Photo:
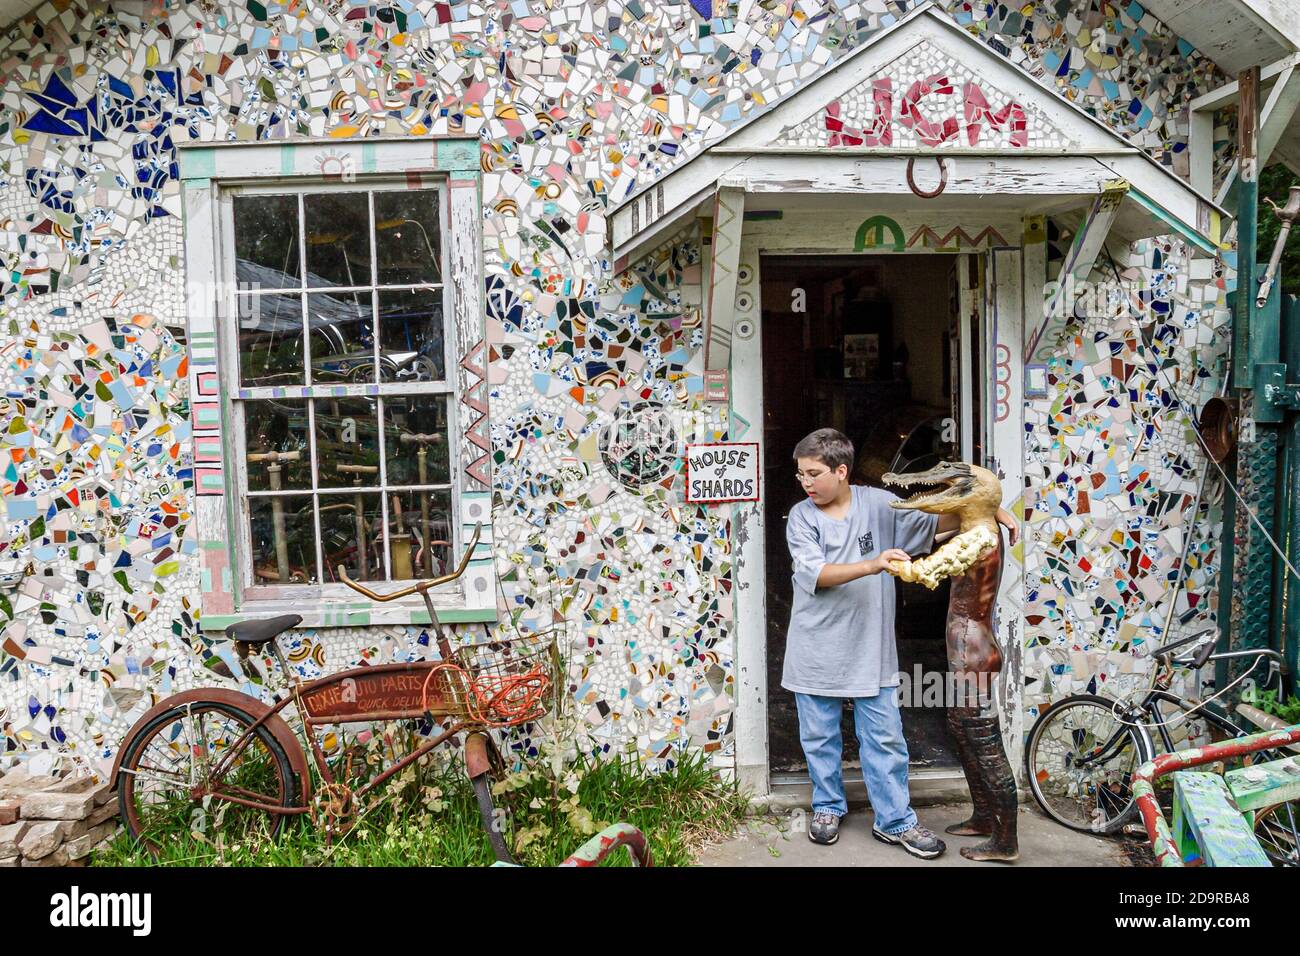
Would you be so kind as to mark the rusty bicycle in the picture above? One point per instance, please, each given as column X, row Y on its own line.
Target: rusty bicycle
column 234, row 760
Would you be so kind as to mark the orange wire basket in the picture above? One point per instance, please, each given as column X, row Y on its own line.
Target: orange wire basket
column 500, row 683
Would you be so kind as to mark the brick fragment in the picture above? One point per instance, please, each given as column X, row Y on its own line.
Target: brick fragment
column 76, row 783
column 58, row 858
column 58, row 806
column 42, row 838
column 82, row 846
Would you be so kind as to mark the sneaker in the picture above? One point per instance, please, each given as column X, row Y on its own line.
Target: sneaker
column 825, row 828
column 917, row 841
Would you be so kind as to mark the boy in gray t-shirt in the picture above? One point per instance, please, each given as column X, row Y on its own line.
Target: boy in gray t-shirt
column 841, row 638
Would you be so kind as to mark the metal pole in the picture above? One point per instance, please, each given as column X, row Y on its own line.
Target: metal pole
column 277, row 523
column 422, row 441
column 1288, row 216
column 358, row 505
column 426, row 559
column 1246, row 192
column 273, row 470
column 1256, row 341
column 1289, row 508
column 1247, row 224
column 399, row 543
column 1281, row 383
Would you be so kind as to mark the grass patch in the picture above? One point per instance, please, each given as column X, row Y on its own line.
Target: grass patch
column 433, row 820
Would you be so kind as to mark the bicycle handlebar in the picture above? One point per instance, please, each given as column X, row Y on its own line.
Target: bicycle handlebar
column 420, row 587
column 1203, row 655
column 1255, row 652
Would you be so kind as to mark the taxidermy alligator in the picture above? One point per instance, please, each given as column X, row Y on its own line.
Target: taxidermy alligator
column 973, row 560
column 974, row 495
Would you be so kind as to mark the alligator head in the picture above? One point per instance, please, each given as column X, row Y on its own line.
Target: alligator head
column 951, row 487
column 971, row 492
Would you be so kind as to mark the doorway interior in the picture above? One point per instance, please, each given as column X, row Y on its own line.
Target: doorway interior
column 867, row 344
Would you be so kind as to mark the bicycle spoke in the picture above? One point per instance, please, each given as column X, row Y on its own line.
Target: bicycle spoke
column 180, row 754
column 1116, row 801
column 1081, row 761
column 155, row 774
column 227, row 790
column 192, row 745
column 1275, row 828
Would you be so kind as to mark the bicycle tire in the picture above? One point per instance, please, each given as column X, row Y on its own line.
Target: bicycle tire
column 1273, row 830
column 1102, row 814
column 139, row 741
column 493, row 825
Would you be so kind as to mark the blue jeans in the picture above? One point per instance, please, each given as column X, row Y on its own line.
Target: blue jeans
column 883, row 750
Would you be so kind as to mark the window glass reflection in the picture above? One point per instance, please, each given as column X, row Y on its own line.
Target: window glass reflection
column 407, row 241
column 338, row 239
column 342, row 343
column 278, row 454
column 415, row 440
column 352, row 535
column 420, row 533
column 410, row 335
column 266, row 242
column 282, row 539
column 347, row 442
column 270, row 340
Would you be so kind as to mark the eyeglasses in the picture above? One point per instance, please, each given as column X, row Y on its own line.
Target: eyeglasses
column 805, row 478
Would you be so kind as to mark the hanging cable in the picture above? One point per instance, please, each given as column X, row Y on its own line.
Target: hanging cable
column 1183, row 716
column 1196, row 430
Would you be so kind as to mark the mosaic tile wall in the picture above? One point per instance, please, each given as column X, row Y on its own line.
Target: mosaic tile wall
column 1112, row 473
column 577, row 103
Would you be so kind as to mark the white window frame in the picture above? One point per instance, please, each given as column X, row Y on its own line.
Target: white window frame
column 240, row 395
column 213, row 176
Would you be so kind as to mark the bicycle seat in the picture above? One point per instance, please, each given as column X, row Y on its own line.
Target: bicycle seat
column 1202, row 656
column 263, row 629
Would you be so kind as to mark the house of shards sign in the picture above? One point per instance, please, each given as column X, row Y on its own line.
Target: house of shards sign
column 718, row 472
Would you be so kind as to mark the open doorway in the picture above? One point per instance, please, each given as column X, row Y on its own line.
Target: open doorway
column 866, row 344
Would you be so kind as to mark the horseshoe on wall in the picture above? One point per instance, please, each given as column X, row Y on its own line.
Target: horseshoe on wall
column 911, row 178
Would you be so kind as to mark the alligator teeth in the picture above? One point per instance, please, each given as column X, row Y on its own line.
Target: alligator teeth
column 926, row 492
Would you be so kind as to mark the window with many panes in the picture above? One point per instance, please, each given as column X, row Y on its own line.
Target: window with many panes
column 343, row 410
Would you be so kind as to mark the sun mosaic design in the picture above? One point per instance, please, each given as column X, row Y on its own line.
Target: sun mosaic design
column 576, row 105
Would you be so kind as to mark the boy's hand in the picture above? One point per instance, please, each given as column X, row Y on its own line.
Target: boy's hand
column 881, row 561
column 1008, row 521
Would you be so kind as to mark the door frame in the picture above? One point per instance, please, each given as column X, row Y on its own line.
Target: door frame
column 1011, row 272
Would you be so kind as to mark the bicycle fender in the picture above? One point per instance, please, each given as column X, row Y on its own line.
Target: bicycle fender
column 249, row 705
column 476, row 755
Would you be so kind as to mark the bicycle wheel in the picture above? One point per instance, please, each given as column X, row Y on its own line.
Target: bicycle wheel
column 1080, row 761
column 167, row 768
column 494, row 823
column 1278, row 830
